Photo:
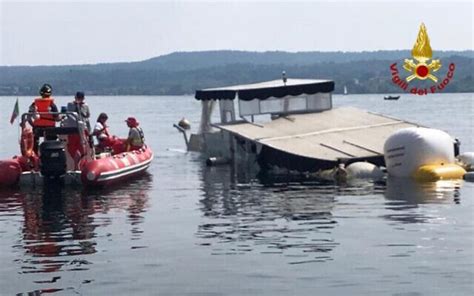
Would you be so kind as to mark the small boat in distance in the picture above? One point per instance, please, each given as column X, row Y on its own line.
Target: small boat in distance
column 391, row 97
column 345, row 90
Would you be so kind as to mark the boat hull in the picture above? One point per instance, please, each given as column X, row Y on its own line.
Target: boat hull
column 35, row 179
column 270, row 157
column 10, row 171
column 315, row 141
column 116, row 168
column 99, row 172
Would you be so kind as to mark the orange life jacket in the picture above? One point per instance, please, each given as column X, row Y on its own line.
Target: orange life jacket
column 43, row 105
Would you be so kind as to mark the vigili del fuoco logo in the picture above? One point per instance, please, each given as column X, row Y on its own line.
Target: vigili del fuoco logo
column 422, row 67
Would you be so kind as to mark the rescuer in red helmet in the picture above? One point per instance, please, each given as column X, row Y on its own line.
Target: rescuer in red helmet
column 136, row 138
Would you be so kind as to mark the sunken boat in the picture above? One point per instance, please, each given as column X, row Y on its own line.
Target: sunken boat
column 288, row 123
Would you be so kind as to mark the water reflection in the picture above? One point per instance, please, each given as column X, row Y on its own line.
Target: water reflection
column 59, row 226
column 290, row 219
column 405, row 195
column 294, row 217
column 56, row 226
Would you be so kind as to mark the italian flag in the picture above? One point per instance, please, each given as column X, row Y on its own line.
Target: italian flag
column 15, row 113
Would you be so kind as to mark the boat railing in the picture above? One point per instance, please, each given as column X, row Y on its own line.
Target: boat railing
column 74, row 125
column 31, row 116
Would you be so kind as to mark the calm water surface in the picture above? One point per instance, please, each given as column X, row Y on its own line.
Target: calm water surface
column 185, row 229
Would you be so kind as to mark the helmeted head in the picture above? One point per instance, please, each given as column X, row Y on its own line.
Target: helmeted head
column 102, row 117
column 132, row 122
column 79, row 96
column 46, row 90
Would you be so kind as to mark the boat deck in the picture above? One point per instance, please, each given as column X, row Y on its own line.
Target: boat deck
column 340, row 133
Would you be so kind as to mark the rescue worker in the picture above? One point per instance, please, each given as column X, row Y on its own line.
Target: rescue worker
column 81, row 108
column 106, row 141
column 136, row 138
column 75, row 144
column 41, row 107
column 101, row 132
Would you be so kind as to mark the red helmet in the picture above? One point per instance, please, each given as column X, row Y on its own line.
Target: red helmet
column 132, row 121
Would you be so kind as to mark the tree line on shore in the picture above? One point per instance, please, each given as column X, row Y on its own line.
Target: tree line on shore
column 184, row 72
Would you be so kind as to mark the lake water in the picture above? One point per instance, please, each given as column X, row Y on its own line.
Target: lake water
column 186, row 229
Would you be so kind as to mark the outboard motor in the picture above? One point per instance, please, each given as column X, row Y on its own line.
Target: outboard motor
column 52, row 159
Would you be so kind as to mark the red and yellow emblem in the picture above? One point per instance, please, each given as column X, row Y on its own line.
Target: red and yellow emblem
column 420, row 67
column 422, row 53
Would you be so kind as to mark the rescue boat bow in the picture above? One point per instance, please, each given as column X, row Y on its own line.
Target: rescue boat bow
column 114, row 168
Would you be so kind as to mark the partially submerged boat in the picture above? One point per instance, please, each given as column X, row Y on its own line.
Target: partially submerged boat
column 67, row 156
column 290, row 124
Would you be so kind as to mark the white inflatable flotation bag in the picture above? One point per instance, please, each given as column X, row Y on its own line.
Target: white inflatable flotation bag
column 356, row 170
column 338, row 173
column 364, row 170
column 466, row 160
column 408, row 150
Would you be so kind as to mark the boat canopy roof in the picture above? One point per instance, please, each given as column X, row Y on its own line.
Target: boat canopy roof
column 265, row 90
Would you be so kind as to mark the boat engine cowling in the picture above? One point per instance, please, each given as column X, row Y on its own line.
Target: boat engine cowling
column 52, row 159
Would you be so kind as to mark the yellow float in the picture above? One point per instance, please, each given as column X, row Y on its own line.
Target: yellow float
column 439, row 172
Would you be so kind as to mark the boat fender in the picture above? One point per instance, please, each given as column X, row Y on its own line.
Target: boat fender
column 27, row 142
column 184, row 124
column 337, row 173
column 466, row 160
column 340, row 173
column 213, row 161
column 364, row 170
column 439, row 172
column 469, row 176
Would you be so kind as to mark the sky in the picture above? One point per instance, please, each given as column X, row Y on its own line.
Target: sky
column 89, row 32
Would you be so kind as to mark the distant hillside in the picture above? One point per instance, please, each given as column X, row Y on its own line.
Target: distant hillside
column 184, row 72
column 205, row 59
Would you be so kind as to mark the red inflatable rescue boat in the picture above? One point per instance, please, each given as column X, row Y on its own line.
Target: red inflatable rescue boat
column 66, row 155
column 112, row 168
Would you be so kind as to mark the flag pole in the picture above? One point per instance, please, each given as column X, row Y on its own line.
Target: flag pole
column 18, row 129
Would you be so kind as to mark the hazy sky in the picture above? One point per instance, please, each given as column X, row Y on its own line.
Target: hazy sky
column 67, row 32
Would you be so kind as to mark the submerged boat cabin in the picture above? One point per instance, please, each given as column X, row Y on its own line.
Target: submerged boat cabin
column 300, row 131
column 275, row 97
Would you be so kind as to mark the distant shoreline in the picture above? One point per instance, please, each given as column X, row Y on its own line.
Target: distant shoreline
column 183, row 72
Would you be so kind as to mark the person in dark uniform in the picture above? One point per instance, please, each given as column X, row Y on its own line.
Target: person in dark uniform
column 81, row 108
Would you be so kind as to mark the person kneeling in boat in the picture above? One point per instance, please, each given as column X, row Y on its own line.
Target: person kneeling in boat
column 136, row 138
column 101, row 132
